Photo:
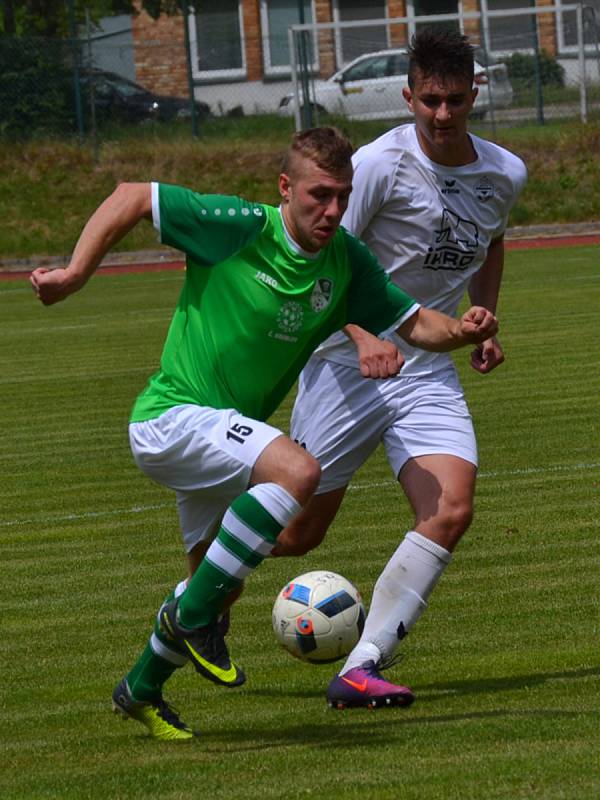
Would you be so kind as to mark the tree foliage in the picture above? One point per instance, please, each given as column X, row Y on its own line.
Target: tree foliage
column 36, row 94
column 50, row 18
column 38, row 54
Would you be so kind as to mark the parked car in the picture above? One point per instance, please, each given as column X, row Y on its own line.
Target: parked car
column 370, row 87
column 127, row 101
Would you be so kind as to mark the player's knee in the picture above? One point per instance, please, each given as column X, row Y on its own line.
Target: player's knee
column 315, row 474
column 455, row 519
column 300, row 475
column 309, row 479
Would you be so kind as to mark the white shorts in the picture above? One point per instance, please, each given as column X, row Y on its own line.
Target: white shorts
column 341, row 417
column 206, row 455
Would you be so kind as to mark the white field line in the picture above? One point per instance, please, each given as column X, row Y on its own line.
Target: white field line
column 353, row 487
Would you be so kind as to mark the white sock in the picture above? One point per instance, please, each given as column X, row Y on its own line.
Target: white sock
column 277, row 501
column 399, row 598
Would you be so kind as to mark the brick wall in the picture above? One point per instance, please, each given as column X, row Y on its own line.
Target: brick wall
column 159, row 54
column 252, row 39
column 159, row 49
column 547, row 29
column 546, row 24
column 472, row 29
column 324, row 13
column 398, row 33
column 160, row 57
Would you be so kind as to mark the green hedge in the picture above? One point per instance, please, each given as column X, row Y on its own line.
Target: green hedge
column 522, row 70
column 36, row 87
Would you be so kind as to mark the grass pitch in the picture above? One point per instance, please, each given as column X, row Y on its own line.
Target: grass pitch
column 505, row 663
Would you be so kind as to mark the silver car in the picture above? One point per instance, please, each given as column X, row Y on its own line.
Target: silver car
column 370, row 87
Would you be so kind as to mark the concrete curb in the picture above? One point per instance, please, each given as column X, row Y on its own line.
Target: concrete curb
column 111, row 260
column 553, row 231
column 168, row 256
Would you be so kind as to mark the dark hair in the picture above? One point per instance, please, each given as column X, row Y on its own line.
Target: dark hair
column 438, row 52
column 326, row 146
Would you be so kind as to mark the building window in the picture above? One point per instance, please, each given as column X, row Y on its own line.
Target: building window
column 276, row 17
column 511, row 32
column 424, row 8
column 353, row 42
column 216, row 39
column 567, row 27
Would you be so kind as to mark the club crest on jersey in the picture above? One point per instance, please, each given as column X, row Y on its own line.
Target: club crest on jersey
column 321, row 295
column 289, row 321
column 484, row 190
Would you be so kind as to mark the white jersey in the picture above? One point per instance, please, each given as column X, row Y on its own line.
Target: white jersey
column 429, row 225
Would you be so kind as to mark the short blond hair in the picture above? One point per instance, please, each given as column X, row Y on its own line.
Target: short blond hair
column 325, row 146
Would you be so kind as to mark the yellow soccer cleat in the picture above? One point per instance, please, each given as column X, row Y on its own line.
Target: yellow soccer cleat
column 159, row 717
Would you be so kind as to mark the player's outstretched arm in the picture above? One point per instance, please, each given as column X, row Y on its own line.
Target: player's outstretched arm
column 432, row 330
column 116, row 216
column 377, row 358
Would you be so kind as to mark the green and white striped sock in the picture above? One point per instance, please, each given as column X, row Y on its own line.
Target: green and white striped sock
column 160, row 659
column 247, row 535
column 162, row 644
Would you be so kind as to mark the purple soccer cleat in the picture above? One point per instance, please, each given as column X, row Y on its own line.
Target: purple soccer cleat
column 365, row 687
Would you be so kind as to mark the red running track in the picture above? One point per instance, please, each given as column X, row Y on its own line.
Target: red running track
column 511, row 244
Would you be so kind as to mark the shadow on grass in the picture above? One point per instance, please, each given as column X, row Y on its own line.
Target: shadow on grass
column 429, row 691
column 503, row 684
column 363, row 729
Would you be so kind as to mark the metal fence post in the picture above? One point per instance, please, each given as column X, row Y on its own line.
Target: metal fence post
column 485, row 38
column 75, row 45
column 306, row 106
column 538, row 76
column 188, row 59
column 92, row 87
column 581, row 59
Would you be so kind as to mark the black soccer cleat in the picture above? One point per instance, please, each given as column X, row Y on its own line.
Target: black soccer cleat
column 205, row 647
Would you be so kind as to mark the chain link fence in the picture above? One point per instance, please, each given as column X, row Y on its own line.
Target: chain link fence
column 106, row 81
column 62, row 87
column 518, row 80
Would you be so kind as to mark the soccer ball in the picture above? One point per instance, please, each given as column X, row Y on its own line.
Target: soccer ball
column 318, row 617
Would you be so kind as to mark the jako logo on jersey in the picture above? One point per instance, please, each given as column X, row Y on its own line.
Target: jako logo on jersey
column 262, row 276
column 450, row 187
column 455, row 243
column 319, row 299
column 484, row 190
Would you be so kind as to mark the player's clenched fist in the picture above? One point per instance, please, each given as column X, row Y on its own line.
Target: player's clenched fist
column 51, row 286
column 478, row 324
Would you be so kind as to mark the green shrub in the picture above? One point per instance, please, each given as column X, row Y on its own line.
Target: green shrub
column 522, row 70
column 36, row 94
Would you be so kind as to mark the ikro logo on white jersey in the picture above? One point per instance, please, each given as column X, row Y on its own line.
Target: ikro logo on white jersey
column 454, row 245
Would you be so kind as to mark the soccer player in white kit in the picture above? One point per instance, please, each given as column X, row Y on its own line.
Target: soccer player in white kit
column 432, row 202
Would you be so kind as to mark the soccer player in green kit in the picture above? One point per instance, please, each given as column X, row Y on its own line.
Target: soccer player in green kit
column 263, row 287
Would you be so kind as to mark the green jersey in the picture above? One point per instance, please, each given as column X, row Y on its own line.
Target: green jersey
column 253, row 306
